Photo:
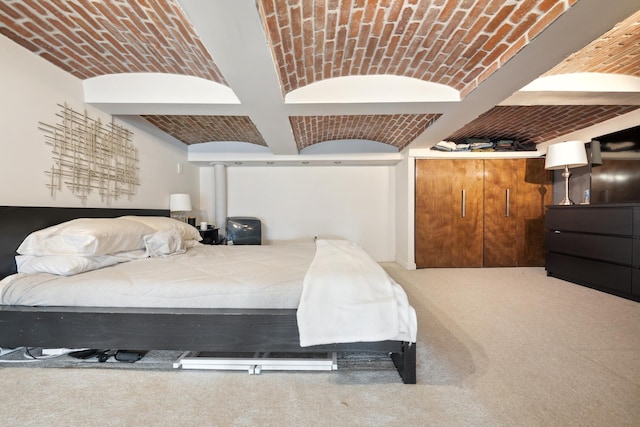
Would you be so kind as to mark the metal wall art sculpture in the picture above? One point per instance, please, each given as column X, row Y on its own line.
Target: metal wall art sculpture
column 89, row 156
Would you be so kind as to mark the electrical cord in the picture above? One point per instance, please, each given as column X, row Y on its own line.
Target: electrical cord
column 4, row 351
column 29, row 356
column 101, row 355
column 51, row 356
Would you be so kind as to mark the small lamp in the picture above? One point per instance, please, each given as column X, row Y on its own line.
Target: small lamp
column 180, row 203
column 565, row 155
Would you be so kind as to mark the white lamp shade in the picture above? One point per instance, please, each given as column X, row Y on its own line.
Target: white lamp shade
column 180, row 202
column 569, row 153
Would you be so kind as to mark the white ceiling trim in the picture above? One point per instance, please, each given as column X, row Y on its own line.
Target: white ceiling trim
column 372, row 89
column 585, row 82
column 155, row 88
column 427, row 153
column 557, row 97
column 268, row 159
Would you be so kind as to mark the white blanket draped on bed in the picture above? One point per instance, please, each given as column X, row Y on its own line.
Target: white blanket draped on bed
column 348, row 297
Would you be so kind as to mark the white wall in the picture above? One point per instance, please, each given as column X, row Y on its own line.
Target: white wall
column 296, row 203
column 31, row 88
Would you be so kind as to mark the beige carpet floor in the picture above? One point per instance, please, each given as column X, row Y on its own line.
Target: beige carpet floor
column 496, row 347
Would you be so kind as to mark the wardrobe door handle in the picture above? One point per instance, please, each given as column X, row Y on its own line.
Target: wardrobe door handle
column 507, row 204
column 464, row 203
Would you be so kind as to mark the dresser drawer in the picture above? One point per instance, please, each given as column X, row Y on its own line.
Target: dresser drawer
column 590, row 219
column 595, row 274
column 602, row 248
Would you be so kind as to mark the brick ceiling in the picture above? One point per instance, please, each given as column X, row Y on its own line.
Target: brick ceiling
column 455, row 43
column 462, row 44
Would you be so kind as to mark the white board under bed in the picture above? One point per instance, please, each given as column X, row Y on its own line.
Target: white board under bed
column 260, row 361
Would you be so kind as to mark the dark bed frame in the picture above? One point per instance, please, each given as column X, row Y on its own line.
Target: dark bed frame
column 195, row 329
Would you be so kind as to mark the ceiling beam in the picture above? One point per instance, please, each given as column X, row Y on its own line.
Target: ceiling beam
column 232, row 33
column 569, row 33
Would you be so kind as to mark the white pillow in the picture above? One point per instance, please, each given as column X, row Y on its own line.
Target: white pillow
column 86, row 236
column 163, row 223
column 64, row 265
column 163, row 243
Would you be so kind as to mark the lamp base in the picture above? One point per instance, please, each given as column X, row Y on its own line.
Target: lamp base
column 180, row 216
column 566, row 201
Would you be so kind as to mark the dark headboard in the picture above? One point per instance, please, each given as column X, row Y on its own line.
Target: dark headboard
column 16, row 222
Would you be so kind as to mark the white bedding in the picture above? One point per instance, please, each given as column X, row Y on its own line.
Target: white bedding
column 268, row 276
column 347, row 297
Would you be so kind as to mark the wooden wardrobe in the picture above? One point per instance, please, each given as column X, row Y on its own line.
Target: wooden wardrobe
column 480, row 212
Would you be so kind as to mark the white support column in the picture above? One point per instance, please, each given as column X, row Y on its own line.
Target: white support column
column 220, row 196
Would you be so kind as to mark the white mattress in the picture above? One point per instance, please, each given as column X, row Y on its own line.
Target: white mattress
column 340, row 293
column 268, row 276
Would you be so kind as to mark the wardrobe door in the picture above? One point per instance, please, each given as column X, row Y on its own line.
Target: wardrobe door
column 534, row 192
column 515, row 193
column 500, row 207
column 448, row 216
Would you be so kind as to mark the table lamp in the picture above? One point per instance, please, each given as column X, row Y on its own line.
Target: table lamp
column 565, row 155
column 180, row 203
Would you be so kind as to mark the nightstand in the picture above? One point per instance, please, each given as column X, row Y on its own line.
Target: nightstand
column 209, row 236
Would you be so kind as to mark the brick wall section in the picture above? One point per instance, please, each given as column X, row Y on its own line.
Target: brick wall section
column 93, row 38
column 397, row 129
column 453, row 42
column 537, row 123
column 198, row 129
column 617, row 51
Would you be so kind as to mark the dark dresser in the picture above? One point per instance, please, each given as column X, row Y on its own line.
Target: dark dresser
column 596, row 246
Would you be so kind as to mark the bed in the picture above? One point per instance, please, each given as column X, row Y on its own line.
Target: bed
column 186, row 328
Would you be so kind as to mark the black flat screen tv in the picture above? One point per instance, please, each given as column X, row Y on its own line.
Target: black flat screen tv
column 617, row 179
